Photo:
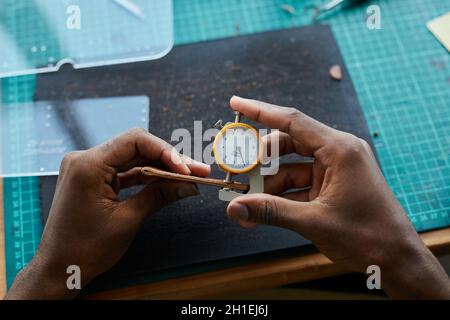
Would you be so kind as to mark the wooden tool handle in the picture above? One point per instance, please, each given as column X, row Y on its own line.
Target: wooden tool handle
column 150, row 171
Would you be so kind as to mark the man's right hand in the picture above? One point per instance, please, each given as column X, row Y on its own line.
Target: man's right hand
column 348, row 211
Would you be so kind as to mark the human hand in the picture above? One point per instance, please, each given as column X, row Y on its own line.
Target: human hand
column 348, row 210
column 88, row 226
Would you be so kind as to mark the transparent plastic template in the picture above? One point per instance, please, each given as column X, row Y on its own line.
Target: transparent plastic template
column 35, row 136
column 40, row 35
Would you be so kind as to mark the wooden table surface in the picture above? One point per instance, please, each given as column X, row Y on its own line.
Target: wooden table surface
column 253, row 276
column 238, row 279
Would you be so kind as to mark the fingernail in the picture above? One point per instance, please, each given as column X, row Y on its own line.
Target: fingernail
column 200, row 163
column 188, row 171
column 238, row 211
column 188, row 191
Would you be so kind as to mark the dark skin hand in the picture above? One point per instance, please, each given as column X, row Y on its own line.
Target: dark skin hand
column 347, row 211
column 88, row 226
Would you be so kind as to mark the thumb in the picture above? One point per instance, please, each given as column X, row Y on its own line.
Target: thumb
column 157, row 195
column 272, row 210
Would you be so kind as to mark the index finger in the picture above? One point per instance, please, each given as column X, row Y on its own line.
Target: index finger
column 124, row 151
column 311, row 134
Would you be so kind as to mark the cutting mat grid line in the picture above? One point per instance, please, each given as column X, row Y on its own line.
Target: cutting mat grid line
column 401, row 75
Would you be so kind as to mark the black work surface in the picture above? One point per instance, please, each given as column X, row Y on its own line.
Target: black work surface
column 195, row 82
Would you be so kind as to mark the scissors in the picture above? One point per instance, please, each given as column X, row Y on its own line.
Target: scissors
column 333, row 4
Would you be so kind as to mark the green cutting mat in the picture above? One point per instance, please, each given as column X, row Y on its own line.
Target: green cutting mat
column 401, row 74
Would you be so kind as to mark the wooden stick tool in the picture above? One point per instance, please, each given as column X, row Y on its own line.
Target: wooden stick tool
column 154, row 172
